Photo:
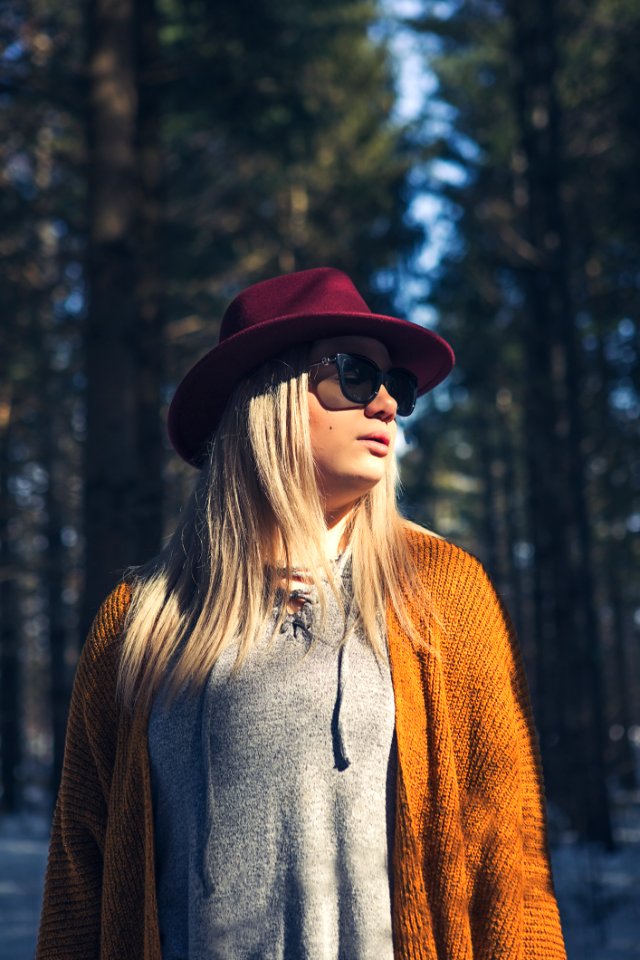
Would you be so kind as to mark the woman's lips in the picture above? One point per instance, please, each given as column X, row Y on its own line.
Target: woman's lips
column 376, row 445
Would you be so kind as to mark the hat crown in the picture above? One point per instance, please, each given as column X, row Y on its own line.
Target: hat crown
column 307, row 292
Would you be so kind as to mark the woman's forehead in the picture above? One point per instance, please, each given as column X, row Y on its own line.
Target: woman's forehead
column 366, row 346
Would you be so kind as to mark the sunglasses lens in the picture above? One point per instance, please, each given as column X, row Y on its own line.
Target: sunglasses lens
column 359, row 379
column 403, row 387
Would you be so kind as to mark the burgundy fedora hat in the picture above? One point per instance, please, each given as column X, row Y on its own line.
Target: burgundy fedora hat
column 272, row 315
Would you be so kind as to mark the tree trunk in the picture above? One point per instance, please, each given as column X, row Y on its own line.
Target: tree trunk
column 59, row 689
column 490, row 498
column 10, row 665
column 613, row 561
column 149, row 337
column 512, row 577
column 110, row 454
column 569, row 630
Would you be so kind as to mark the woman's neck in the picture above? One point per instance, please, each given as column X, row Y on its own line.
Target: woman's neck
column 335, row 540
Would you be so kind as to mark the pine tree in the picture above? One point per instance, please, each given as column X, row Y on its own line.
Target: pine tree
column 528, row 296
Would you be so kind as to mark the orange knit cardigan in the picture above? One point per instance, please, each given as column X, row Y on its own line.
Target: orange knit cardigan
column 471, row 878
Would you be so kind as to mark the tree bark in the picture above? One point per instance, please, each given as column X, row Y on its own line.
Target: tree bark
column 110, row 455
column 10, row 665
column 568, row 621
column 55, row 571
column 149, row 338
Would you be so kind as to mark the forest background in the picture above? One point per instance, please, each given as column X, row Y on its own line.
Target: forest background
column 156, row 156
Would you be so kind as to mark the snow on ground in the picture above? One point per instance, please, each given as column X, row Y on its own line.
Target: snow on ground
column 23, row 853
column 599, row 899
column 598, row 893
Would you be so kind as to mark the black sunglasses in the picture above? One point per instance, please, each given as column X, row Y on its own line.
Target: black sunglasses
column 361, row 378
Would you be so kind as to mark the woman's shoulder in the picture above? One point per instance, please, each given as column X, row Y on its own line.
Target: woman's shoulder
column 100, row 652
column 444, row 564
column 108, row 623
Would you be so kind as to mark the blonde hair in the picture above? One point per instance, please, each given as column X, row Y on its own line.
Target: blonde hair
column 255, row 509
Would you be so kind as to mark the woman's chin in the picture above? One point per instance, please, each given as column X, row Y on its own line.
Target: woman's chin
column 346, row 490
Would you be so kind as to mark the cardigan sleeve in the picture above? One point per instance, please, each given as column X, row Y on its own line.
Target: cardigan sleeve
column 503, row 693
column 71, row 909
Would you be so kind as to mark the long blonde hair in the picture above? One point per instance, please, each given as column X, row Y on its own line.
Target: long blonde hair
column 255, row 509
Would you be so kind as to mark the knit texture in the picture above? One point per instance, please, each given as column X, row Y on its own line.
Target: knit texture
column 471, row 877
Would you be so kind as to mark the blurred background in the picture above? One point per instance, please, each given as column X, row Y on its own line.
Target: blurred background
column 473, row 166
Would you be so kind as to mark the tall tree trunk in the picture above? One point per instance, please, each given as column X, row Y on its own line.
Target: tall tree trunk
column 110, row 453
column 627, row 775
column 487, row 460
column 612, row 563
column 149, row 337
column 55, row 577
column 559, row 513
column 10, row 666
column 512, row 578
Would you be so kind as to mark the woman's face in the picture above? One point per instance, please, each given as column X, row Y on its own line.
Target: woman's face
column 347, row 463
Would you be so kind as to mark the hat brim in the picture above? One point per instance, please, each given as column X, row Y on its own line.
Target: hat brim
column 201, row 396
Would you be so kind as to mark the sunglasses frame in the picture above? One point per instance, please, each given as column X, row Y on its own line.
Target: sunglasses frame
column 381, row 377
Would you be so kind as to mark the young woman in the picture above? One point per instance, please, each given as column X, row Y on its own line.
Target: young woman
column 302, row 730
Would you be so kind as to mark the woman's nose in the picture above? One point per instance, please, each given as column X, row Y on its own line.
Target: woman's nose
column 382, row 406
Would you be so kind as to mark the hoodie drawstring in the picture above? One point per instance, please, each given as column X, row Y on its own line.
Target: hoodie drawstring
column 338, row 724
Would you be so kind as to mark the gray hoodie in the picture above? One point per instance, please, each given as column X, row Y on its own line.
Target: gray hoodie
column 273, row 800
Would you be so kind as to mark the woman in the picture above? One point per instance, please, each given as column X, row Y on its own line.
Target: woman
column 303, row 730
